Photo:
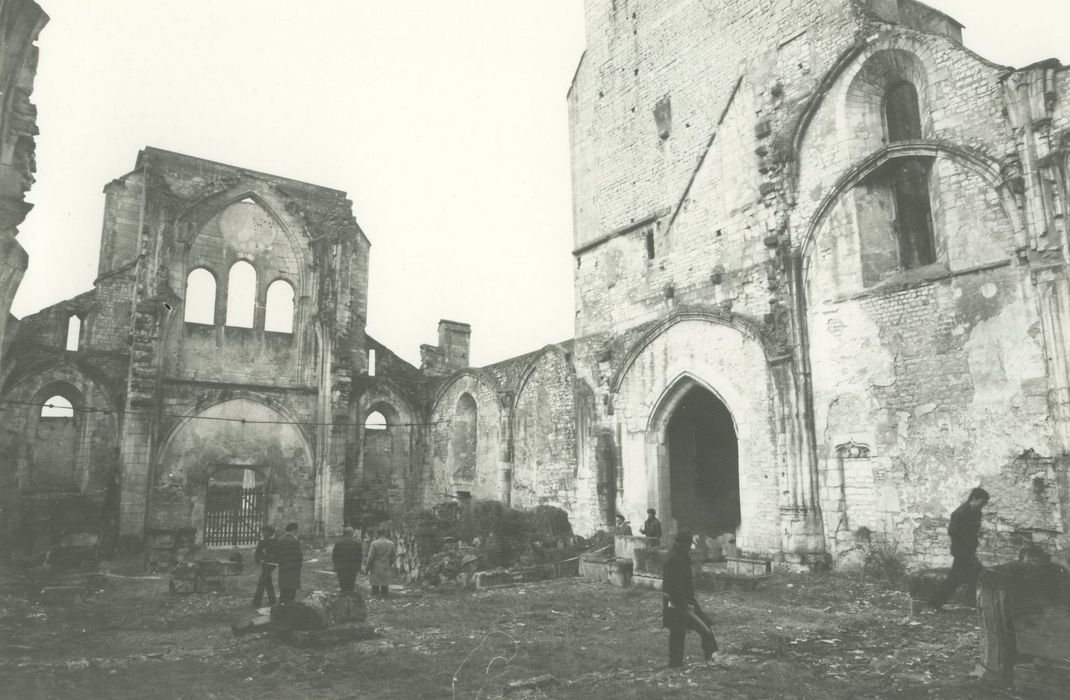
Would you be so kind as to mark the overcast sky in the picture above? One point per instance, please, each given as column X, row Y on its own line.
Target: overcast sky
column 444, row 120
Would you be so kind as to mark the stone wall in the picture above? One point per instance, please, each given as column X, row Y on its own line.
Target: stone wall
column 20, row 23
column 544, row 425
column 465, row 451
column 734, row 166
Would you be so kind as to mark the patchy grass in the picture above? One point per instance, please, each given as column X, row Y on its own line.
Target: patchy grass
column 798, row 636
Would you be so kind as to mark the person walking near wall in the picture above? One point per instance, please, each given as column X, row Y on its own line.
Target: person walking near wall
column 380, row 552
column 265, row 559
column 288, row 557
column 964, row 528
column 346, row 555
column 652, row 526
column 680, row 610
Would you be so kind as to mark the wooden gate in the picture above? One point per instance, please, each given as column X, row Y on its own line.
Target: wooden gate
column 234, row 515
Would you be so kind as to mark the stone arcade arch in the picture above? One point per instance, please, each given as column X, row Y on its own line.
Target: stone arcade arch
column 216, row 438
column 698, row 450
column 699, row 359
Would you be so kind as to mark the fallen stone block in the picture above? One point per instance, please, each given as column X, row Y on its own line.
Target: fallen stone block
column 748, row 567
column 646, row 581
column 253, row 622
column 1041, row 680
column 544, row 681
column 327, row 637
column 619, row 572
column 593, row 566
column 497, row 577
column 62, row 595
column 319, row 610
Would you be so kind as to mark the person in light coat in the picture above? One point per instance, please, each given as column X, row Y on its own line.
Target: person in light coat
column 380, row 556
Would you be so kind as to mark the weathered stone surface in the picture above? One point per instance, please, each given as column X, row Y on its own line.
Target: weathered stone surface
column 867, row 316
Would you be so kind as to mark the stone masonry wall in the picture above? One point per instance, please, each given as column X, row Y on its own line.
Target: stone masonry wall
column 544, row 436
column 443, row 477
column 933, row 380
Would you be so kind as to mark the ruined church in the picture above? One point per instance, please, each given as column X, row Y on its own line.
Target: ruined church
column 821, row 291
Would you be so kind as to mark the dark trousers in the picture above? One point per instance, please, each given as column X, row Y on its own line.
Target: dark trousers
column 965, row 568
column 264, row 585
column 681, row 623
column 345, row 580
column 287, row 595
column 381, row 591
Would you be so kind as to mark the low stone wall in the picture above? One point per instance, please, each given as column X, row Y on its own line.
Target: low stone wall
column 542, row 572
column 1025, row 612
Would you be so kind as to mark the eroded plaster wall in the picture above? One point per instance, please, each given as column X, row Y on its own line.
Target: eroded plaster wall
column 237, row 433
column 926, row 382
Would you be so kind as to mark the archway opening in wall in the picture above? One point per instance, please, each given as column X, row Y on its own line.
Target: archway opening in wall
column 235, row 507
column 463, row 440
column 703, row 453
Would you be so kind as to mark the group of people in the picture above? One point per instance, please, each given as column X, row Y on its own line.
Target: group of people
column 284, row 554
column 681, row 610
column 651, row 527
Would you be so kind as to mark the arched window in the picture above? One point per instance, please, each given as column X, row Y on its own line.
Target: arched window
column 375, row 421
column 463, row 442
column 241, row 295
column 913, row 212
column 279, row 315
column 200, row 297
column 57, row 407
column 902, row 117
column 74, row 332
column 371, row 362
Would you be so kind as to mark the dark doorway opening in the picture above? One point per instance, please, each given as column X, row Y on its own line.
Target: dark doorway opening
column 235, row 508
column 703, row 465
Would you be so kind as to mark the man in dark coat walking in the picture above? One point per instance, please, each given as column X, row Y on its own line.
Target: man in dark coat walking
column 964, row 528
column 652, row 526
column 265, row 559
column 347, row 555
column 288, row 557
column 680, row 611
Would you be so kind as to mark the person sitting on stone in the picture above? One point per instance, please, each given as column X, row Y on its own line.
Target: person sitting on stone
column 652, row 526
column 623, row 526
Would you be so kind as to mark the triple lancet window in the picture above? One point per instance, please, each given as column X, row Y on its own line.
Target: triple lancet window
column 241, row 300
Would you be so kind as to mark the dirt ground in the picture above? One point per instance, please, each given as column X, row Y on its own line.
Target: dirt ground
column 801, row 635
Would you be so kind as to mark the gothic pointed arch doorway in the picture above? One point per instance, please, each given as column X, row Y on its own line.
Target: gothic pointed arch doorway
column 697, row 460
column 703, row 463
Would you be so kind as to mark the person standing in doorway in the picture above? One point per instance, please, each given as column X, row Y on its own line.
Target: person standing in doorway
column 652, row 526
column 964, row 528
column 680, row 610
column 266, row 561
column 288, row 557
column 346, row 555
column 380, row 552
